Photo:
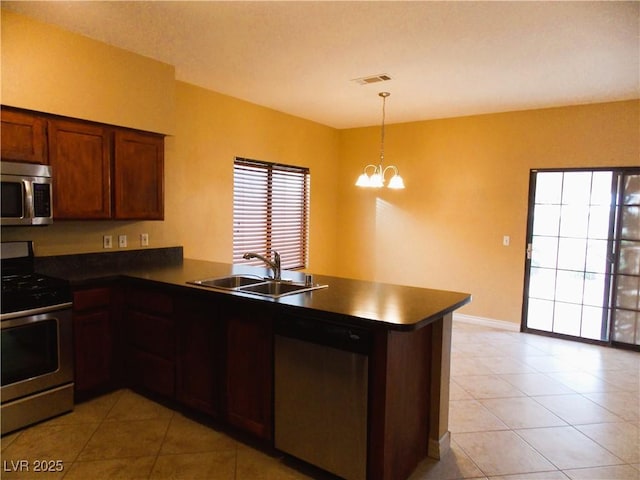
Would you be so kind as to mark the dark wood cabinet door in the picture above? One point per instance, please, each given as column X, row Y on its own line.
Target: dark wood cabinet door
column 23, row 137
column 249, row 370
column 93, row 339
column 151, row 372
column 199, row 357
column 139, row 176
column 79, row 154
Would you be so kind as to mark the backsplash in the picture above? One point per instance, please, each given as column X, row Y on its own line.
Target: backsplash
column 62, row 265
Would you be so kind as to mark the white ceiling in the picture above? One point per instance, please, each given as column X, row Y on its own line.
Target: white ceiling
column 446, row 59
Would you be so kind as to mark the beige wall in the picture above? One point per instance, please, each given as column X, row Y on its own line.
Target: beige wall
column 212, row 129
column 467, row 178
column 48, row 69
column 467, row 185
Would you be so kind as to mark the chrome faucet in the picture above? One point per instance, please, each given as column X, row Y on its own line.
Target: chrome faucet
column 275, row 264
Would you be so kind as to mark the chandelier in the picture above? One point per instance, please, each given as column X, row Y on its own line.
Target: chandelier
column 373, row 176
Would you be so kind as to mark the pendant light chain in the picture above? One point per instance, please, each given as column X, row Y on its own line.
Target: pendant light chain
column 384, row 96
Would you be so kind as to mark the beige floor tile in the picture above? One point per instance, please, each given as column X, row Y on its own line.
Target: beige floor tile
column 456, row 392
column 50, row 442
column 196, row 466
column 472, row 416
column 132, row 406
column 624, row 404
column 568, row 448
column 468, row 366
column 576, row 409
column 589, row 360
column 582, row 382
column 188, row 436
column 557, row 475
column 474, row 349
column 502, row 453
column 519, row 351
column 619, row 472
column 545, row 364
column 621, row 360
column 125, row 439
column 536, row 384
column 116, row 469
column 621, row 439
column 505, row 365
column 488, row 386
column 522, row 412
column 8, row 439
column 454, row 465
column 626, row 379
column 91, row 411
column 255, row 465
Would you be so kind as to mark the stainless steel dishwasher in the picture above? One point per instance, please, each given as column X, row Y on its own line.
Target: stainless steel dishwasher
column 321, row 382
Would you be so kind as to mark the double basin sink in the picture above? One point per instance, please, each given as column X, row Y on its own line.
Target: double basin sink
column 256, row 285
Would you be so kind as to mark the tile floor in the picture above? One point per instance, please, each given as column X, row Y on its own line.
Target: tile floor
column 523, row 407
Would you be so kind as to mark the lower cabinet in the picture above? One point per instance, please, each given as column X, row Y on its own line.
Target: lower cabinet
column 211, row 354
column 149, row 335
column 249, row 369
column 93, row 330
column 200, row 355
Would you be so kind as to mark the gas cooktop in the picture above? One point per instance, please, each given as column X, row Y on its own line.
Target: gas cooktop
column 22, row 288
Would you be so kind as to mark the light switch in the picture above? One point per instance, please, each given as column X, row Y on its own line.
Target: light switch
column 144, row 239
column 107, row 241
column 122, row 241
column 506, row 240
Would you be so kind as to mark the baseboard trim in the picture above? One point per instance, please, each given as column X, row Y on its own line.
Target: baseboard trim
column 487, row 322
column 436, row 449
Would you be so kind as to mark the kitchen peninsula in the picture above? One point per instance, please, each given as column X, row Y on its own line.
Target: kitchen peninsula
column 213, row 351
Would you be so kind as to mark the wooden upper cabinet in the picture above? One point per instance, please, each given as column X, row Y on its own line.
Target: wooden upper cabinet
column 79, row 154
column 23, row 137
column 138, row 176
column 99, row 171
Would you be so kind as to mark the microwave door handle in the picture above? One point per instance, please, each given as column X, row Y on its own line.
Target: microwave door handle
column 28, row 211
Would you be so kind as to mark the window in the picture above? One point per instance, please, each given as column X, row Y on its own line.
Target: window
column 270, row 211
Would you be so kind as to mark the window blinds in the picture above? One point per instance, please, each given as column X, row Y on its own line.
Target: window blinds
column 270, row 211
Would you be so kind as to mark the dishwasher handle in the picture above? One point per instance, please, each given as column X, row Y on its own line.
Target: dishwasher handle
column 321, row 332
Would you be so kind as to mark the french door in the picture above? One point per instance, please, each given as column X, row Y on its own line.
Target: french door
column 582, row 275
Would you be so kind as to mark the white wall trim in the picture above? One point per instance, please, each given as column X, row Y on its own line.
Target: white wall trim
column 487, row 322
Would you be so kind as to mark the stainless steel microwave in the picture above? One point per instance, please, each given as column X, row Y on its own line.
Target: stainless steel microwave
column 26, row 194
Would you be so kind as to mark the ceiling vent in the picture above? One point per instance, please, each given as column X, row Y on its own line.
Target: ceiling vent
column 383, row 77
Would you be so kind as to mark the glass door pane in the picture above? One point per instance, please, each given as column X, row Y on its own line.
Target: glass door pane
column 626, row 312
column 567, row 262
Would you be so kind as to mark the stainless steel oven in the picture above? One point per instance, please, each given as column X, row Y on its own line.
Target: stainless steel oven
column 37, row 367
column 36, row 342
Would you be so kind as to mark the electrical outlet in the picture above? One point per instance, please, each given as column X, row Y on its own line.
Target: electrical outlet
column 144, row 239
column 107, row 241
column 122, row 241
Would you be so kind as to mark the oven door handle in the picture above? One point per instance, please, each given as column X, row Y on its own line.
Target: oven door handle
column 35, row 311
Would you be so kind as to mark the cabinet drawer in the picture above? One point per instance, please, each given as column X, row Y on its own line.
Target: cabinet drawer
column 91, row 299
column 152, row 334
column 150, row 301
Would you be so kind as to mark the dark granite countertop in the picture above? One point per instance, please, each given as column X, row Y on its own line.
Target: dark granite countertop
column 389, row 306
